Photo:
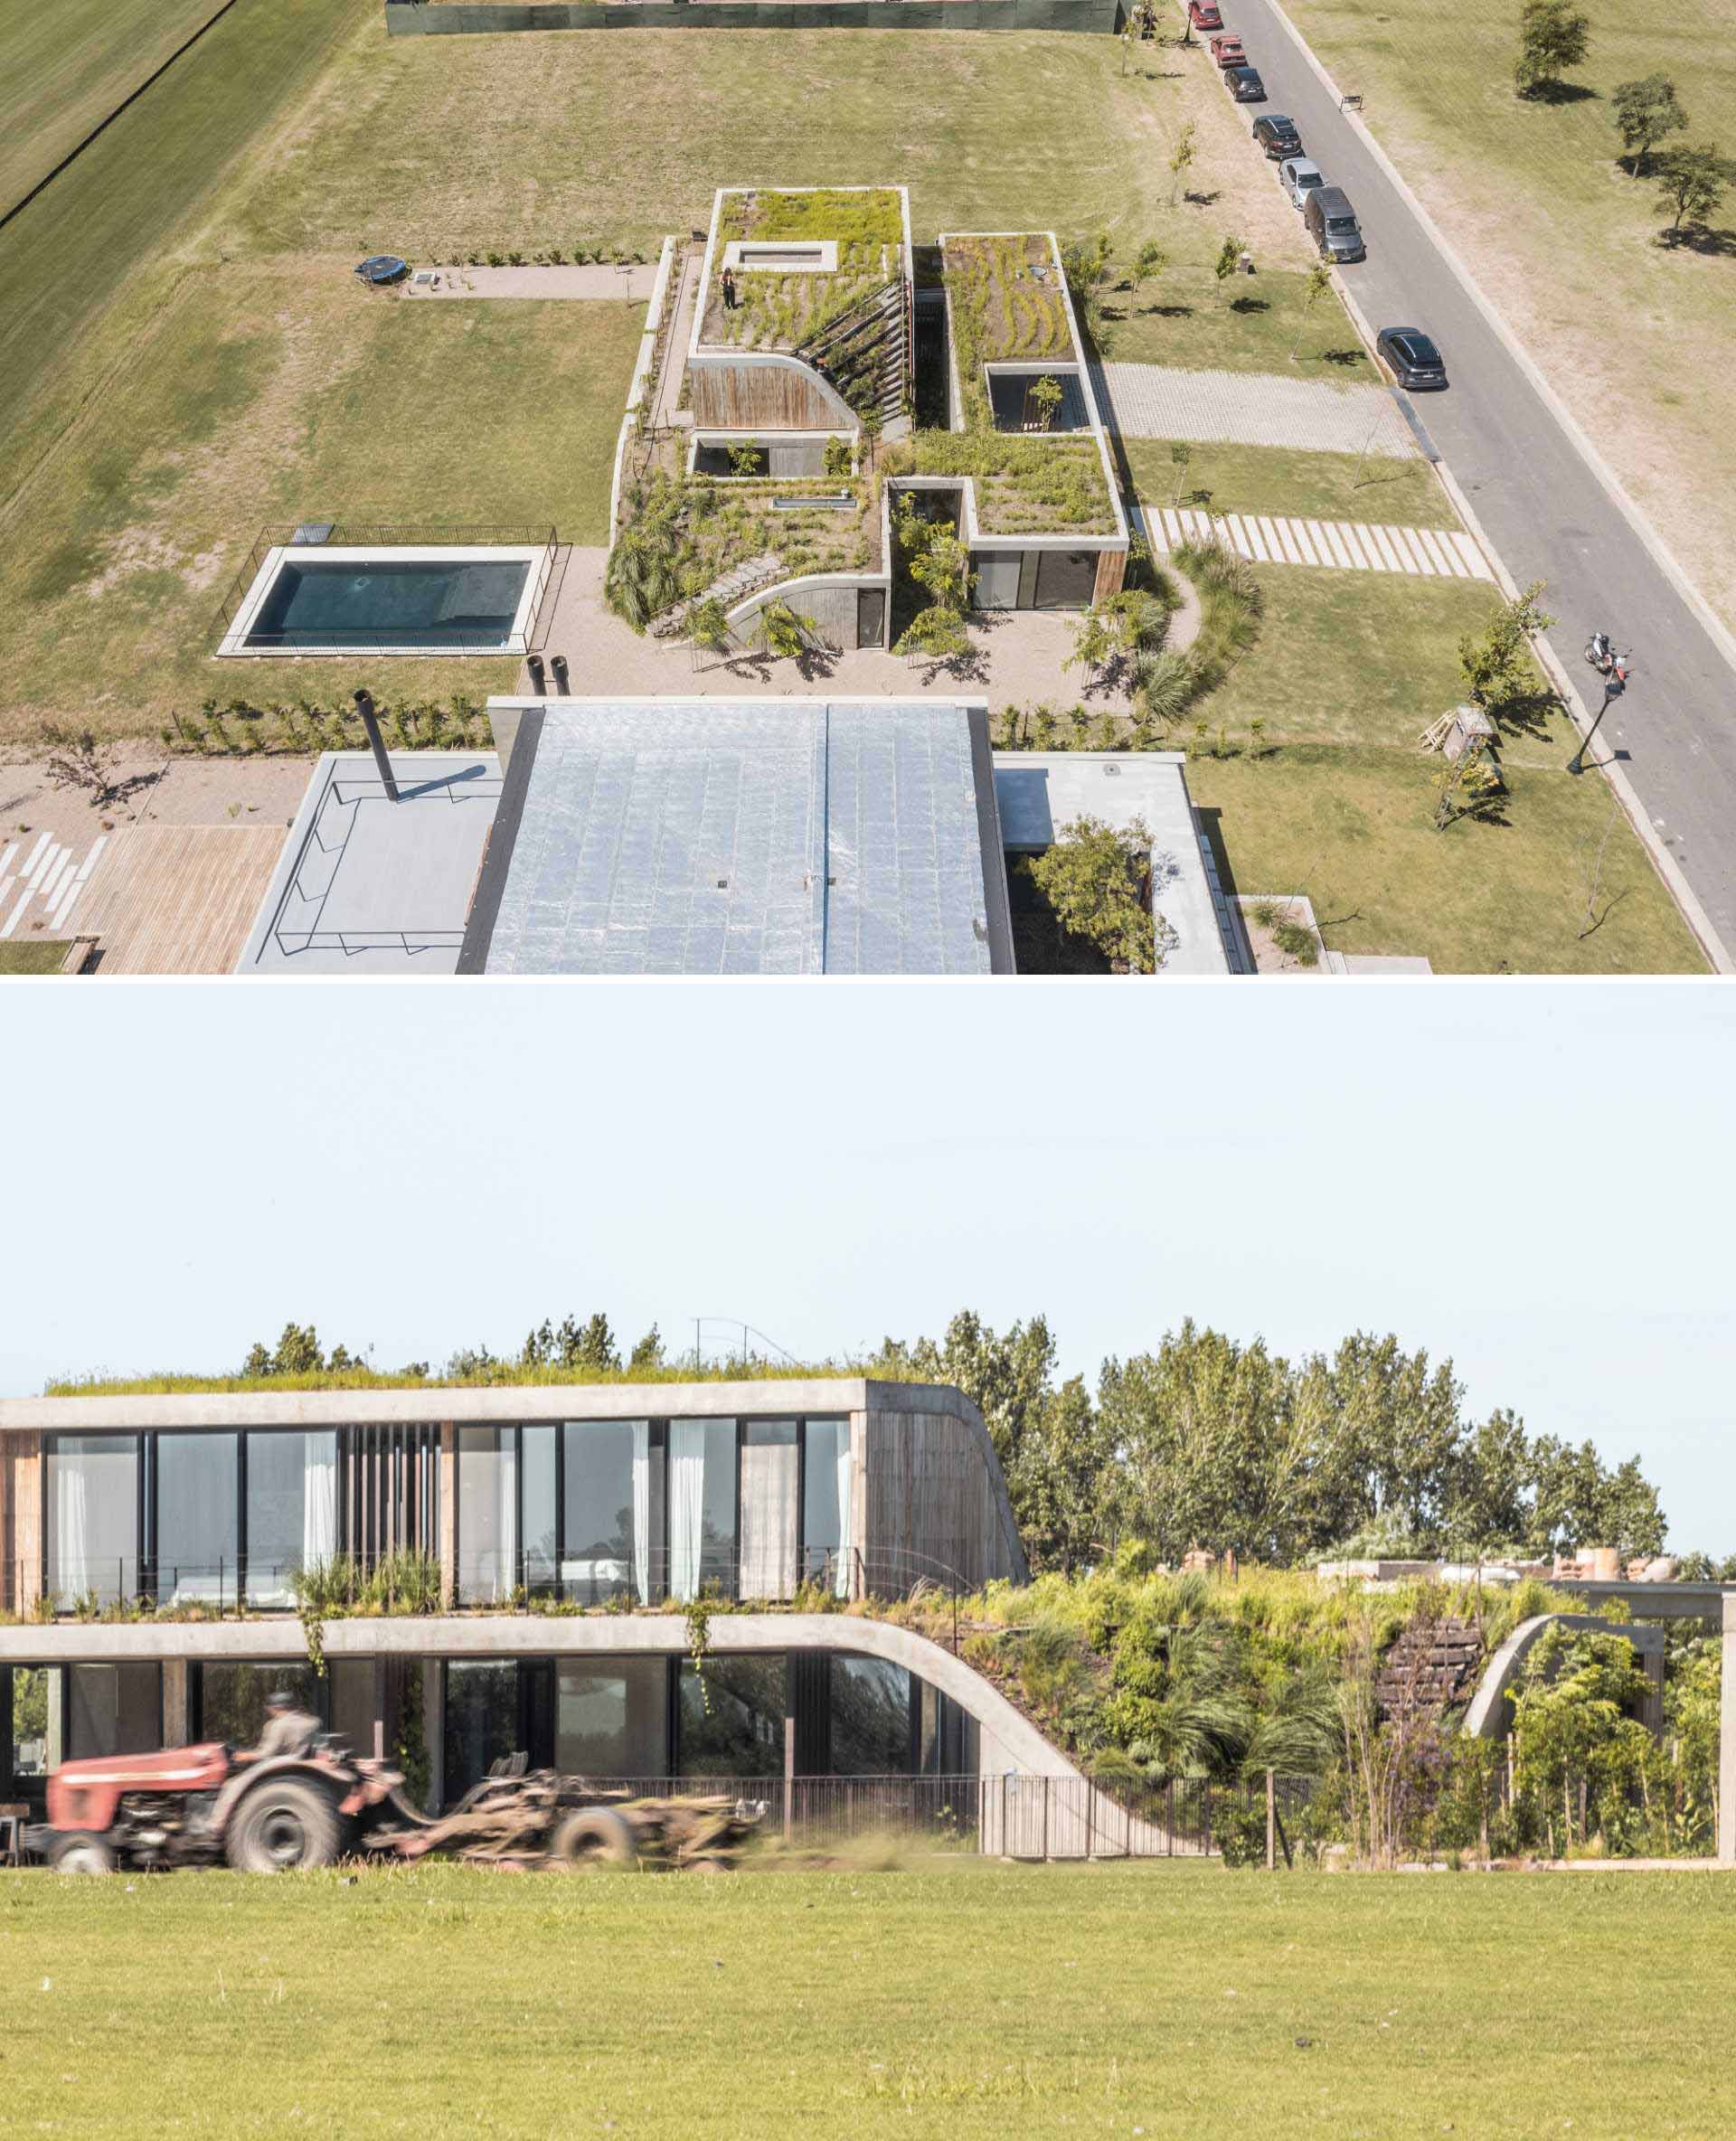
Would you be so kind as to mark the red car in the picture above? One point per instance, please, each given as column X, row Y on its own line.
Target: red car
column 1204, row 15
column 1228, row 52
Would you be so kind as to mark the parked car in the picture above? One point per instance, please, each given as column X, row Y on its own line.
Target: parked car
column 1300, row 177
column 1414, row 360
column 1204, row 15
column 1277, row 136
column 1332, row 224
column 1245, row 85
column 1228, row 52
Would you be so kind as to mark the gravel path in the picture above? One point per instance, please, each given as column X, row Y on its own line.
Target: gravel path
column 1251, row 409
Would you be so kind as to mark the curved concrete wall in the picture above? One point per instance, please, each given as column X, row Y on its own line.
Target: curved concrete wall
column 1490, row 1715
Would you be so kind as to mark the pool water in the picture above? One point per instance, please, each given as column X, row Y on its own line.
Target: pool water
column 434, row 604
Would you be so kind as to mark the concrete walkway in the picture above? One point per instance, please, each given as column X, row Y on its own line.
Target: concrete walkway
column 1351, row 546
column 667, row 412
column 1251, row 409
column 634, row 281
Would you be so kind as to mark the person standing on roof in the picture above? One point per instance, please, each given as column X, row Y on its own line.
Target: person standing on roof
column 729, row 289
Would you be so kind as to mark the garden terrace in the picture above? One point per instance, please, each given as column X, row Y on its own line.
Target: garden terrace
column 1009, row 301
column 1023, row 486
column 854, row 237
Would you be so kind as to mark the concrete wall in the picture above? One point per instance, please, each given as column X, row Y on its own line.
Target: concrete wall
column 1727, row 1741
column 21, row 1520
column 483, row 17
column 1490, row 1715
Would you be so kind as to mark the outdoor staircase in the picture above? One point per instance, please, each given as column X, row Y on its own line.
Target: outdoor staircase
column 1431, row 1665
column 865, row 354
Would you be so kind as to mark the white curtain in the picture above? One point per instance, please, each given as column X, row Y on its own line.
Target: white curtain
column 71, row 1533
column 506, row 1576
column 769, row 1472
column 642, row 1510
column 318, row 1499
column 687, row 1506
column 841, row 1580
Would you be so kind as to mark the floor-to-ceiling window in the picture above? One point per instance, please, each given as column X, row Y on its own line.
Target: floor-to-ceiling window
column 825, row 1503
column 870, row 1718
column 487, row 1513
column 770, row 1508
column 483, row 1720
column 732, row 1712
column 612, row 1517
column 113, row 1710
column 198, row 1517
column 539, row 1505
column 702, row 1506
column 229, row 1699
column 291, row 1511
column 611, row 1717
column 93, row 1517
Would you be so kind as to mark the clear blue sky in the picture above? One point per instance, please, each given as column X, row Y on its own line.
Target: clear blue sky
column 1536, row 1180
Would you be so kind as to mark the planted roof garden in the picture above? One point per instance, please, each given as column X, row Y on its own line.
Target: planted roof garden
column 1009, row 302
column 784, row 308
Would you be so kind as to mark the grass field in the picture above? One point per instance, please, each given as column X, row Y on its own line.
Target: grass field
column 1275, row 479
column 64, row 69
column 987, row 2003
column 1628, row 330
column 39, row 956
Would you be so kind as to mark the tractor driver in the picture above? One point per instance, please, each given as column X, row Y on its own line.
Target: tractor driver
column 288, row 1731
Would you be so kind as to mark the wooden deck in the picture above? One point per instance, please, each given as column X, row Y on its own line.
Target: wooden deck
column 178, row 899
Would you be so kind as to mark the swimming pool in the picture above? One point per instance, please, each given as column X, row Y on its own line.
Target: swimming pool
column 334, row 599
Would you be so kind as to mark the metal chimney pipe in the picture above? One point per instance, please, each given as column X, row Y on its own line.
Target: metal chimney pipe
column 376, row 742
column 559, row 665
column 533, row 663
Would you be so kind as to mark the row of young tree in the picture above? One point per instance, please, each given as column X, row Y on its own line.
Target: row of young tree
column 1213, row 1443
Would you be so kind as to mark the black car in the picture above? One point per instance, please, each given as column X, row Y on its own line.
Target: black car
column 1413, row 357
column 1245, row 85
column 1277, row 136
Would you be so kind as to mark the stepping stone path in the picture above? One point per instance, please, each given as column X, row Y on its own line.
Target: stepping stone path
column 1351, row 546
column 44, row 877
column 729, row 590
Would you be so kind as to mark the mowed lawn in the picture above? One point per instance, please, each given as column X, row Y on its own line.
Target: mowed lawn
column 1275, row 479
column 1633, row 335
column 272, row 397
column 993, row 2002
column 64, row 68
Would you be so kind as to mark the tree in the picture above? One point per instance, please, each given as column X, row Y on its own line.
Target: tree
column 938, row 633
column 1181, row 157
column 1117, row 629
column 1046, row 397
column 708, row 626
column 1319, row 283
column 1645, row 113
column 297, row 1352
column 1497, row 667
column 76, row 759
column 646, row 1353
column 786, row 632
column 1006, row 1375
column 1057, row 1480
column 1692, row 183
column 1181, row 455
column 1553, row 35
column 589, row 1347
column 1228, row 258
column 1086, row 269
column 1097, row 878
column 1149, row 264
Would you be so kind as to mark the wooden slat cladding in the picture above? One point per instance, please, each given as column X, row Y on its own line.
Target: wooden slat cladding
column 21, row 1519
column 928, row 1502
column 391, row 1487
column 769, row 397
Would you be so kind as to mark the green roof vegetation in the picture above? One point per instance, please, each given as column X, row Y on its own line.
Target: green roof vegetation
column 1027, row 483
column 177, row 1383
column 39, row 955
column 1009, row 301
column 783, row 309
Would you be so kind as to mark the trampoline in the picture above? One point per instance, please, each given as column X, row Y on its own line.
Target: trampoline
column 382, row 268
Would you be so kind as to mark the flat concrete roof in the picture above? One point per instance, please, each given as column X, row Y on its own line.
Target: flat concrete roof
column 367, row 885
column 500, row 1402
column 1040, row 792
column 673, row 836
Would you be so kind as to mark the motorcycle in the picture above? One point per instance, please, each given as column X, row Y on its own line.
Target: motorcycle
column 1601, row 652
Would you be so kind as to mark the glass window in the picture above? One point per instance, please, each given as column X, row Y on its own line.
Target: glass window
column 870, row 1718
column 734, row 1724
column 1066, row 579
column 114, row 1710
column 231, row 1698
column 487, row 1512
column 481, row 1721
column 197, row 1521
column 702, row 1506
column 536, row 1461
column 93, row 1517
column 30, row 1720
column 770, row 1473
column 612, row 1719
column 352, row 1682
column 825, row 1504
column 291, row 1511
column 613, row 1518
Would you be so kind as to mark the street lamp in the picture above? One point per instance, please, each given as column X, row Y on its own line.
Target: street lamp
column 1614, row 685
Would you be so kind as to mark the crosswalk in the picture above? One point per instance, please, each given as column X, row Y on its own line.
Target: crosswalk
column 1349, row 546
column 40, row 888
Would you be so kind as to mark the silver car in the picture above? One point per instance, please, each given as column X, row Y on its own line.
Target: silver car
column 1300, row 177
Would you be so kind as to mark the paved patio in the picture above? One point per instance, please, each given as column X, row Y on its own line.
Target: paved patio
column 1018, row 659
column 633, row 280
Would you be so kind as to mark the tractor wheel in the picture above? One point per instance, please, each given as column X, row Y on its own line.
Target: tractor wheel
column 282, row 1825
column 594, row 1836
column 83, row 1852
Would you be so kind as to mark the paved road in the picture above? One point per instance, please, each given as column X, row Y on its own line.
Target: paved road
column 1540, row 504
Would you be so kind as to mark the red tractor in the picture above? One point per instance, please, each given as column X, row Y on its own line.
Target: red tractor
column 198, row 1805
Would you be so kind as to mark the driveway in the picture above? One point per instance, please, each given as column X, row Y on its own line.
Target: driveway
column 1539, row 501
